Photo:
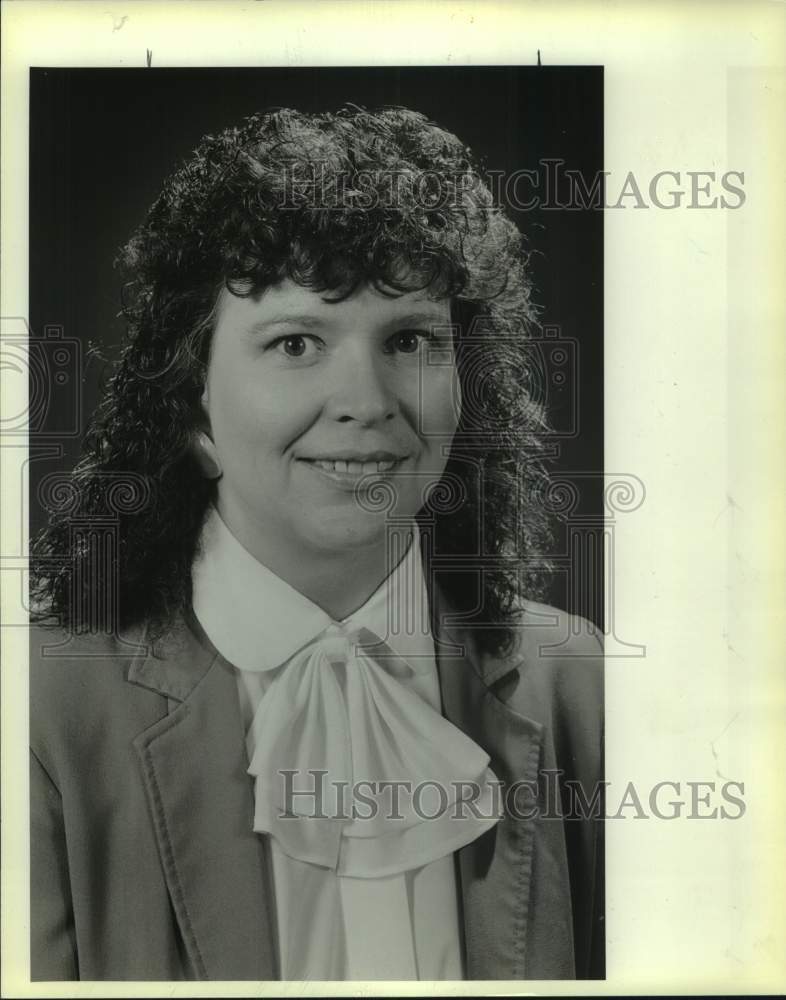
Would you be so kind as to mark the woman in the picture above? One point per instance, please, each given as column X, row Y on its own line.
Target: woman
column 302, row 718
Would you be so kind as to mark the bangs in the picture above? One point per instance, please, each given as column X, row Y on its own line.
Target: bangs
column 341, row 275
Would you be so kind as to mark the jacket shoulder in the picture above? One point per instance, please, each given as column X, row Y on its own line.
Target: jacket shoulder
column 553, row 629
column 77, row 684
column 549, row 641
column 553, row 670
column 63, row 659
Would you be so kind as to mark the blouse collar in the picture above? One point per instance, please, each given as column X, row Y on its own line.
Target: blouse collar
column 258, row 621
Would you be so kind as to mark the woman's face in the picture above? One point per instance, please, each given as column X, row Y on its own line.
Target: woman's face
column 313, row 403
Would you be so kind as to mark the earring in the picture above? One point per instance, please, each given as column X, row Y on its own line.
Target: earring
column 205, row 454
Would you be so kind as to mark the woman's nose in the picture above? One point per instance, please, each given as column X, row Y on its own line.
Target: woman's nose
column 361, row 389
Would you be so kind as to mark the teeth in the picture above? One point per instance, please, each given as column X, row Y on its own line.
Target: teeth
column 354, row 468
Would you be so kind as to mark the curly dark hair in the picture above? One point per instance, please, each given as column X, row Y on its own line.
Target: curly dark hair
column 332, row 202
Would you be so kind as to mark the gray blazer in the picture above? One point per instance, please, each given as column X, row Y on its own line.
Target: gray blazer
column 144, row 864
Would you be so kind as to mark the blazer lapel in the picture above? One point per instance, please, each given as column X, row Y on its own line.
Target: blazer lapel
column 201, row 799
column 495, row 870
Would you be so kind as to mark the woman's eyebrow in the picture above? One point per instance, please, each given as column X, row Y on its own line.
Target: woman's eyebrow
column 289, row 319
column 423, row 318
column 419, row 318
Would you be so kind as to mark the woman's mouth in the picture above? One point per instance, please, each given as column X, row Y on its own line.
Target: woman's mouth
column 355, row 468
column 348, row 472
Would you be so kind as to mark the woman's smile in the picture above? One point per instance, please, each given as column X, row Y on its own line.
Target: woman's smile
column 356, row 474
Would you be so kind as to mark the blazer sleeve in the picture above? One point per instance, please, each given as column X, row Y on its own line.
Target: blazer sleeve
column 53, row 954
column 583, row 761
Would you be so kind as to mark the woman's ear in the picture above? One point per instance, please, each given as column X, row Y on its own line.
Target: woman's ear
column 202, row 445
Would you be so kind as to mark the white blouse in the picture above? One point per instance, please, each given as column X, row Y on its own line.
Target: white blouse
column 337, row 716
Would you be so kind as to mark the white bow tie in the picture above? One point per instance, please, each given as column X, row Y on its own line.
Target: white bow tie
column 334, row 735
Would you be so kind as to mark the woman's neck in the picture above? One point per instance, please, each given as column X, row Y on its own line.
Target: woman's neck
column 341, row 581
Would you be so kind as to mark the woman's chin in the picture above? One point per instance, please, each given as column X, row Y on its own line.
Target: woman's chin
column 343, row 534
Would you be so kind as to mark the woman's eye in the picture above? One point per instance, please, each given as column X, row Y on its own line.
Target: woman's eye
column 408, row 341
column 295, row 345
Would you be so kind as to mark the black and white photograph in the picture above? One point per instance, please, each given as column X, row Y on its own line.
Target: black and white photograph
column 303, row 570
column 374, row 611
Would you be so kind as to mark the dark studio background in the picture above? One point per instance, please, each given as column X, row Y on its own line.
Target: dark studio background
column 102, row 141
